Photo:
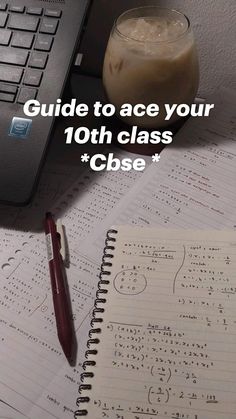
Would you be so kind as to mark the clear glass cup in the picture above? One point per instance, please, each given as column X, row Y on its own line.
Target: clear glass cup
column 151, row 57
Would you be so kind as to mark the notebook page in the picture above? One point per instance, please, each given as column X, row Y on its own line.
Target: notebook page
column 193, row 186
column 87, row 203
column 42, row 385
column 168, row 345
column 16, row 222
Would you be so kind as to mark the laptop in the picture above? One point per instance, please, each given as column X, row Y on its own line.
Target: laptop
column 38, row 40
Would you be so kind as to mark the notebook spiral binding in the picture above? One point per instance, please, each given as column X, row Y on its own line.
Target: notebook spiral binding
column 98, row 311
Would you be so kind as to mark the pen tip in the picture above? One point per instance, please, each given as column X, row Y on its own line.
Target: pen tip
column 68, row 351
column 68, row 347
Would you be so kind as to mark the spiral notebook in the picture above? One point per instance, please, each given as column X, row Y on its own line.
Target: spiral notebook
column 163, row 338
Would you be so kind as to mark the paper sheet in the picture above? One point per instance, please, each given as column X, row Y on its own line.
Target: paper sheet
column 193, row 186
column 48, row 386
column 167, row 343
column 186, row 189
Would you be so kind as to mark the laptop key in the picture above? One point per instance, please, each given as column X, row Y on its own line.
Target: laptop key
column 43, row 43
column 33, row 77
column 17, row 9
column 3, row 5
column 38, row 60
column 23, row 22
column 26, row 93
column 8, row 88
column 49, row 26
column 7, row 97
column 5, row 36
column 34, row 11
column 10, row 74
column 3, row 19
column 13, row 56
column 22, row 40
column 52, row 13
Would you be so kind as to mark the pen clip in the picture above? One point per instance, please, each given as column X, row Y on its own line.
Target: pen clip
column 61, row 232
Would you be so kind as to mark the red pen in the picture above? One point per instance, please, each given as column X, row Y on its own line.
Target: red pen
column 59, row 291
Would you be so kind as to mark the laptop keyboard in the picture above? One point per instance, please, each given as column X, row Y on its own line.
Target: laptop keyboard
column 26, row 38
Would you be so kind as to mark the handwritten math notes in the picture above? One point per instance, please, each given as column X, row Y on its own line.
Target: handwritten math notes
column 168, row 344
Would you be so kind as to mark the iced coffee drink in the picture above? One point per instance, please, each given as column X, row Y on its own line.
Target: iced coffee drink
column 151, row 58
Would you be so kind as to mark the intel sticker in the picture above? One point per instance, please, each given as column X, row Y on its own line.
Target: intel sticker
column 20, row 127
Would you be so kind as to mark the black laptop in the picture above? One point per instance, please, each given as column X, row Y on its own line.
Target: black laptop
column 38, row 39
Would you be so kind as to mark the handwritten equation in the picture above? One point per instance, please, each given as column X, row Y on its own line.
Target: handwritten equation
column 170, row 340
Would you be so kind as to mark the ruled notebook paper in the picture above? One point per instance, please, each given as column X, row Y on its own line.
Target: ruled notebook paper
column 168, row 342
